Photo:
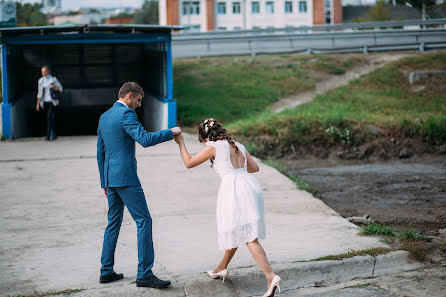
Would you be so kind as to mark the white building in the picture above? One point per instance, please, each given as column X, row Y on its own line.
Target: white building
column 208, row 15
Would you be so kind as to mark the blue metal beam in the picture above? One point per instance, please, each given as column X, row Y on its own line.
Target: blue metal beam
column 6, row 107
column 169, row 70
column 171, row 113
column 86, row 38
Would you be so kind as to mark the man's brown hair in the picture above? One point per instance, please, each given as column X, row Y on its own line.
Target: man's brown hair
column 130, row 87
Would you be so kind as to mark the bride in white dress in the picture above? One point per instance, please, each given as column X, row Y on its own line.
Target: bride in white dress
column 240, row 215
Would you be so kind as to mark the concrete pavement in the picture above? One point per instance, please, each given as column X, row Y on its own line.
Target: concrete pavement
column 53, row 216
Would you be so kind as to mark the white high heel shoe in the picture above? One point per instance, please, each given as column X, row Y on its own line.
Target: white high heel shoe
column 223, row 274
column 272, row 289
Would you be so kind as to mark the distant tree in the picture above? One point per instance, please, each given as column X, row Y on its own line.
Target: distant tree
column 30, row 15
column 359, row 20
column 124, row 15
column 148, row 13
column 380, row 12
column 73, row 12
column 94, row 10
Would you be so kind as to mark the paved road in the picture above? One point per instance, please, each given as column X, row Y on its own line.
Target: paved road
column 53, row 215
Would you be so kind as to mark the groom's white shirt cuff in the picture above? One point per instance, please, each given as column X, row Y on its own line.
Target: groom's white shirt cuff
column 123, row 103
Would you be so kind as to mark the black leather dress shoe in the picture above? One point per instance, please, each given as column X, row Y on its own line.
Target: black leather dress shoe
column 111, row 278
column 152, row 282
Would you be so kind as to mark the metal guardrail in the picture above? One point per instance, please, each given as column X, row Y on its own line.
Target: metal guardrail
column 316, row 28
column 202, row 45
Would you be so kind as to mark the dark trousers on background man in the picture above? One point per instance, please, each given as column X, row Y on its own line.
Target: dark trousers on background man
column 50, row 121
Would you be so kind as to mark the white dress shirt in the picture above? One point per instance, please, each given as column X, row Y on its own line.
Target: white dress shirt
column 43, row 91
column 123, row 103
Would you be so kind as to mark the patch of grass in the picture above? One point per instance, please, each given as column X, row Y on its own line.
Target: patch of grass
column 377, row 229
column 360, row 286
column 382, row 100
column 301, row 185
column 408, row 239
column 372, row 252
column 42, row 294
column 410, row 234
column 231, row 88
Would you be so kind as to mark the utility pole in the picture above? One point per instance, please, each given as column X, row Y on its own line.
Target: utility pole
column 244, row 14
column 423, row 11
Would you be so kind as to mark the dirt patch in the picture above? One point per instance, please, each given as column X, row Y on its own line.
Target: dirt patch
column 398, row 193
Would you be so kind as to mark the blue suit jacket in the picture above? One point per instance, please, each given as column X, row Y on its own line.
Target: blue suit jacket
column 117, row 132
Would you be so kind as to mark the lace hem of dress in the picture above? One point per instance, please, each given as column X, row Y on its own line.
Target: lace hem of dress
column 241, row 235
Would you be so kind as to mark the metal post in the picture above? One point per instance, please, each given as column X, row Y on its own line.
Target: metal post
column 421, row 49
column 366, row 49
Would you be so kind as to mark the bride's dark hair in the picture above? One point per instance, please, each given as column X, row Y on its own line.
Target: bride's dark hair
column 213, row 130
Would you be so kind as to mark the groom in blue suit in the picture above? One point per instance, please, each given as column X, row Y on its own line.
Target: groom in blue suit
column 117, row 132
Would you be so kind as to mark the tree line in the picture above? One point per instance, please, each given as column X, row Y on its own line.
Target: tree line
column 30, row 14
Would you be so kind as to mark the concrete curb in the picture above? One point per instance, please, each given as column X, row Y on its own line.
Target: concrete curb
column 251, row 282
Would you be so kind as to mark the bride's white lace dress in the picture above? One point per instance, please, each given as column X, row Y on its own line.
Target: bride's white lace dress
column 240, row 212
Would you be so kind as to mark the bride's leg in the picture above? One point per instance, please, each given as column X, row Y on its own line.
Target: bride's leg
column 259, row 255
column 225, row 261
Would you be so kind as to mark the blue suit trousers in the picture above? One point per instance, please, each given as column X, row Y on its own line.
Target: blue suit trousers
column 133, row 198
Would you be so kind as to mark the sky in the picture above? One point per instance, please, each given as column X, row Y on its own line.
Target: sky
column 75, row 4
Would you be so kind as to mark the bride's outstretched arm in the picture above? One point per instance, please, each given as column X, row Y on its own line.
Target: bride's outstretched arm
column 205, row 154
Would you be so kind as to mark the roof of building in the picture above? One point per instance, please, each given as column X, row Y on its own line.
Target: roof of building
column 43, row 30
column 398, row 12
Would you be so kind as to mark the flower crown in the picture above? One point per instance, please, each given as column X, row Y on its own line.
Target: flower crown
column 208, row 123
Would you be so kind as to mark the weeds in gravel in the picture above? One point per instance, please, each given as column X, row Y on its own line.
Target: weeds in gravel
column 418, row 250
column 360, row 285
column 408, row 239
column 377, row 229
column 372, row 252
column 412, row 235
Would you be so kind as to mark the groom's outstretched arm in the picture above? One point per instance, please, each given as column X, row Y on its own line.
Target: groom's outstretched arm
column 134, row 128
column 100, row 156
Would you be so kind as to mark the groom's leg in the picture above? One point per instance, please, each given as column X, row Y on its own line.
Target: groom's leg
column 135, row 201
column 115, row 212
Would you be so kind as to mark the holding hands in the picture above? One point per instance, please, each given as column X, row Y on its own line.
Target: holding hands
column 178, row 136
column 176, row 131
column 179, row 139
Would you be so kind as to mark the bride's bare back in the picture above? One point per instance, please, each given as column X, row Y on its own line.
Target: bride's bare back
column 237, row 158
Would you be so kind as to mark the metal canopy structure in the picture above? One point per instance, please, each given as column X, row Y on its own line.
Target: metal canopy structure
column 88, row 28
column 92, row 62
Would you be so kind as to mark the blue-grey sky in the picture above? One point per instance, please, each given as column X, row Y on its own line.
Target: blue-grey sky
column 75, row 4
